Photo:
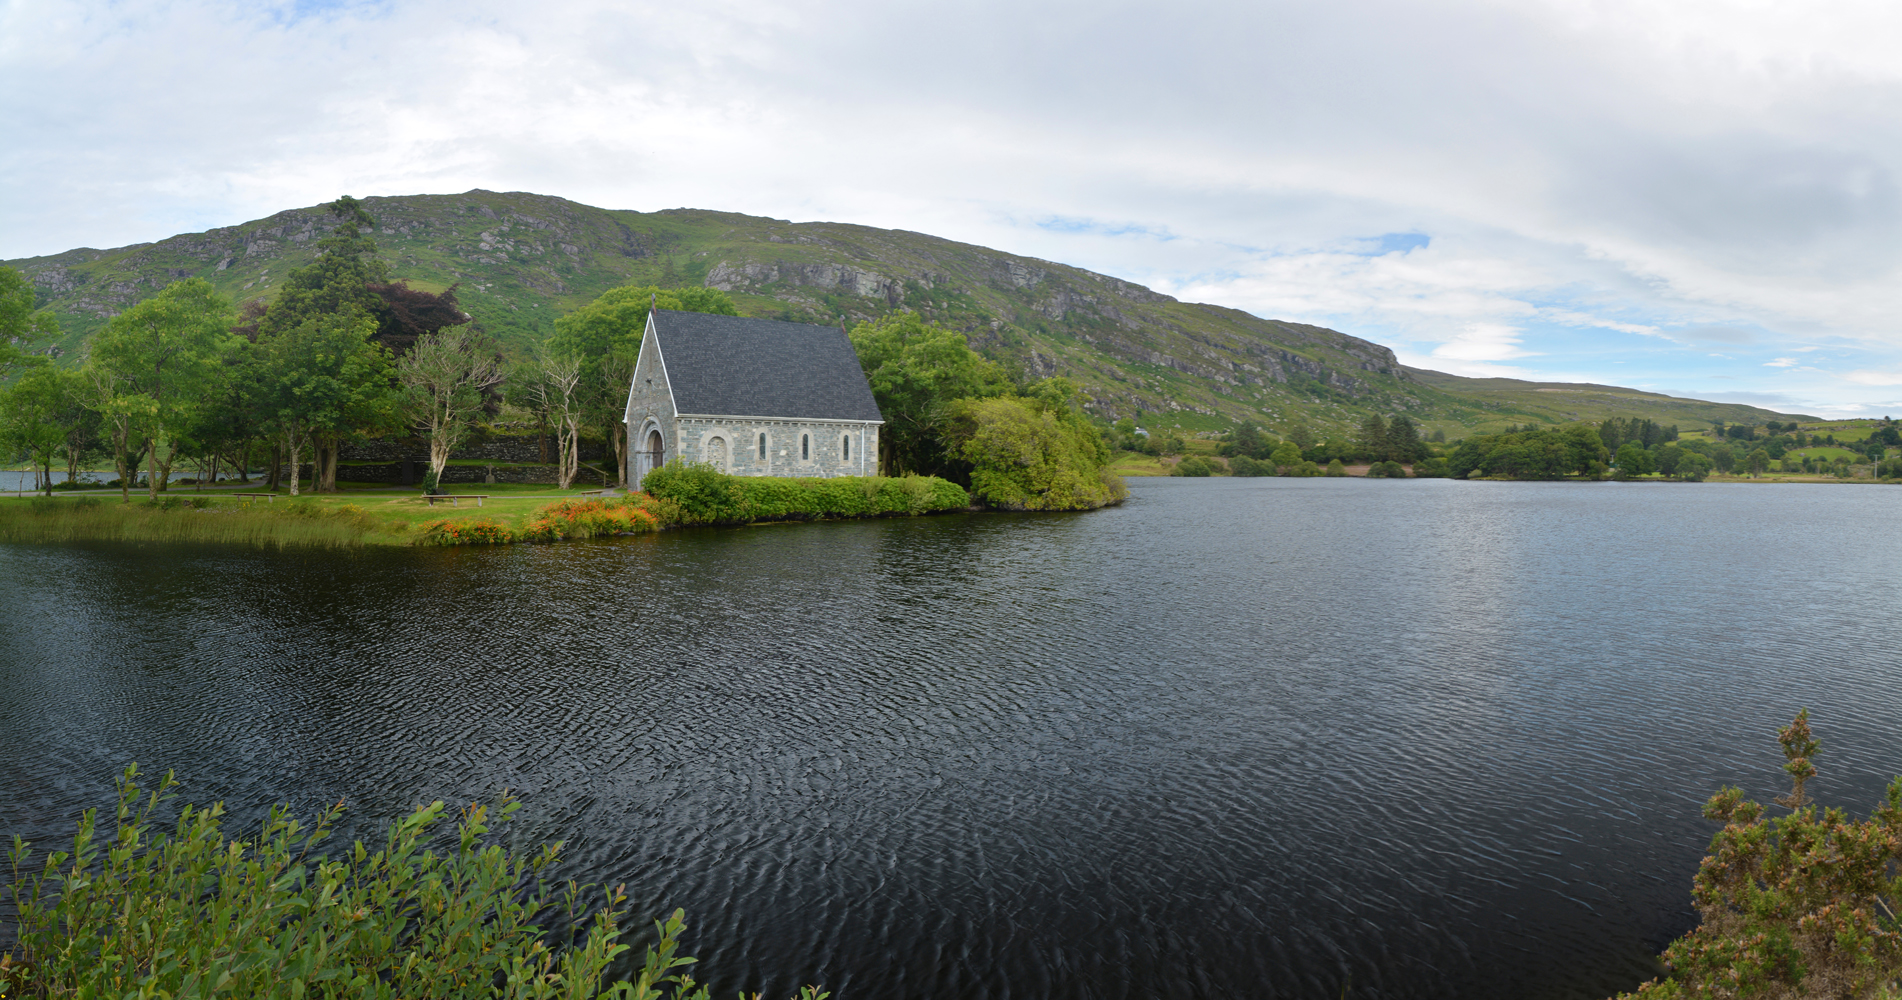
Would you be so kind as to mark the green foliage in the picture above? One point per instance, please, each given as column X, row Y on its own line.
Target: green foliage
column 1386, row 470
column 616, row 318
column 1430, row 468
column 1692, row 467
column 1535, row 454
column 1800, row 906
column 1242, row 465
column 1195, row 466
column 1634, row 461
column 1285, row 456
column 1757, row 461
column 336, row 284
column 702, row 495
column 918, row 373
column 1035, row 453
column 196, row 913
column 20, row 325
column 1335, row 469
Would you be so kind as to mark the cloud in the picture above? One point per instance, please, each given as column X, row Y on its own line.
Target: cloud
column 1485, row 182
column 1866, row 377
column 1780, row 363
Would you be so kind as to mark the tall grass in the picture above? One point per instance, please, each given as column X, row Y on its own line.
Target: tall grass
column 89, row 519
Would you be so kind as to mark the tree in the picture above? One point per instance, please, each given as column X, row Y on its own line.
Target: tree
column 1634, row 460
column 1403, row 441
column 1758, row 461
column 1372, row 438
column 165, row 355
column 918, row 372
column 1692, row 467
column 1286, row 457
column 1668, row 458
column 32, row 410
column 605, row 335
column 445, row 377
column 318, row 378
column 1799, row 906
column 20, row 325
column 1034, row 453
column 554, row 379
column 1335, row 469
column 1723, row 458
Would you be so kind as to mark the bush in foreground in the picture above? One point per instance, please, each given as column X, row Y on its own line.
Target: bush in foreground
column 195, row 914
column 703, row 495
column 1801, row 906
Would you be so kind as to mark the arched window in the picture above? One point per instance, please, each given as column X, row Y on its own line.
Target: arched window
column 762, row 447
column 845, row 448
column 805, row 447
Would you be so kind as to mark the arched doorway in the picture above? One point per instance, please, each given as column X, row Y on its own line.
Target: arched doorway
column 716, row 453
column 651, row 456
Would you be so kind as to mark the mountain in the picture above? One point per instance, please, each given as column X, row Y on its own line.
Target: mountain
column 520, row 260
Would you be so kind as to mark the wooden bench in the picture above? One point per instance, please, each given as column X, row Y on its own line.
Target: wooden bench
column 268, row 496
column 454, row 497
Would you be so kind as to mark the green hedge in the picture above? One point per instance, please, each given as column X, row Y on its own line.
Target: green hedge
column 709, row 497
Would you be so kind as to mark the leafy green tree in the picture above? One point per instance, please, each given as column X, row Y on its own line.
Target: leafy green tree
column 1403, row 441
column 320, row 378
column 1247, row 439
column 1285, row 457
column 166, row 353
column 1302, row 437
column 1532, row 454
column 31, row 414
column 1634, row 460
column 445, row 377
column 1758, row 461
column 1242, row 465
column 1723, row 458
column 918, row 373
column 1032, row 454
column 1692, row 467
column 1336, row 469
column 1667, row 458
column 1430, row 468
column 1386, row 470
column 605, row 337
column 20, row 325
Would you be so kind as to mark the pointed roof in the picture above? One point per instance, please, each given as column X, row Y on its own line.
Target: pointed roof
column 732, row 366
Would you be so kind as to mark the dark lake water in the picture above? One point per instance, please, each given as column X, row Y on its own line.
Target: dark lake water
column 1238, row 738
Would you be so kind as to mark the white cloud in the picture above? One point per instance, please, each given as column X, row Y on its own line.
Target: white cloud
column 1865, row 377
column 1780, row 363
column 1492, row 181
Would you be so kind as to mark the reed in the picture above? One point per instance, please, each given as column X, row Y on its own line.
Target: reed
column 90, row 519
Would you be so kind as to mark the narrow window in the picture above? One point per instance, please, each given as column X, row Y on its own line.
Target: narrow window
column 845, row 448
column 762, row 447
column 805, row 447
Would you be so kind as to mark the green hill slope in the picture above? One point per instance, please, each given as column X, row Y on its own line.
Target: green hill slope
column 520, row 260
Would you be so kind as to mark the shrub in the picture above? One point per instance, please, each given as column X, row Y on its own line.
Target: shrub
column 587, row 518
column 475, row 531
column 1242, row 465
column 1386, row 470
column 1194, row 466
column 1430, row 468
column 697, row 494
column 1304, row 469
column 1034, row 454
column 193, row 913
column 1335, row 468
column 1801, row 906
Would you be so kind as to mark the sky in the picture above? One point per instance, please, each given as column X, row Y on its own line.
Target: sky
column 1699, row 198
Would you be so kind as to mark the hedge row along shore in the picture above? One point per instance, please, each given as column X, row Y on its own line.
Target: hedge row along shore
column 678, row 496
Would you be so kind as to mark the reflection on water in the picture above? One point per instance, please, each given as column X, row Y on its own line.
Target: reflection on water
column 1239, row 738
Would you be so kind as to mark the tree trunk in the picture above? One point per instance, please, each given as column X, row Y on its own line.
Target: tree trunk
column 324, row 464
column 165, row 467
column 277, row 462
column 620, row 451
column 151, row 465
column 291, row 445
column 438, row 455
column 244, row 462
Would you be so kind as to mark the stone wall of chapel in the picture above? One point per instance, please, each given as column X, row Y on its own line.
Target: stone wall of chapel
column 827, row 452
column 650, row 404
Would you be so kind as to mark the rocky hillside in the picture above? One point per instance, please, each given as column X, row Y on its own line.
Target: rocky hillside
column 520, row 260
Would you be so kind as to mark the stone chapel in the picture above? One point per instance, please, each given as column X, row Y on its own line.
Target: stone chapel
column 750, row 397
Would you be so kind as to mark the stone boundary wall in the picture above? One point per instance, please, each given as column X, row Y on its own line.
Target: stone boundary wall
column 392, row 473
column 501, row 449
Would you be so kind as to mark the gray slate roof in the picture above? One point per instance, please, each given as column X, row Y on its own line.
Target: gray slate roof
column 733, row 366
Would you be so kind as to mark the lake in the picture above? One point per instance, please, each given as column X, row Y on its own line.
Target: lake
column 1236, row 738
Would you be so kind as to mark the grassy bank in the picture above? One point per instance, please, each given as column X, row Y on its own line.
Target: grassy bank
column 517, row 514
